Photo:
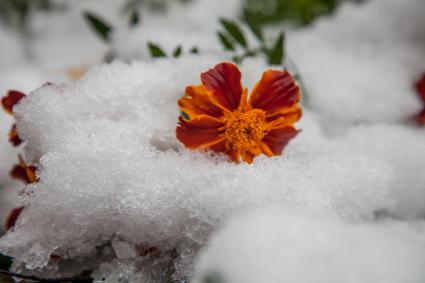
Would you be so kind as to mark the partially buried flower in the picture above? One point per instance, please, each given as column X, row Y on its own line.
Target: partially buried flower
column 8, row 102
column 420, row 87
column 218, row 115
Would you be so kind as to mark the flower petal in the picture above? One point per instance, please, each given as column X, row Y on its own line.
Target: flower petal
column 200, row 132
column 275, row 91
column 11, row 99
column 420, row 87
column 421, row 118
column 224, row 80
column 24, row 172
column 14, row 138
column 287, row 117
column 198, row 101
column 13, row 216
column 277, row 139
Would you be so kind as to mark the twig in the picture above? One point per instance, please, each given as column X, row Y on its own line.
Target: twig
column 42, row 280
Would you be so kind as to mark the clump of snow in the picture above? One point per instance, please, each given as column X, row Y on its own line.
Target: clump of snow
column 359, row 65
column 118, row 193
column 110, row 166
column 284, row 245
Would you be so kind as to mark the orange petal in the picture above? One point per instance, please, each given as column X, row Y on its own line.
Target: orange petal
column 200, row 132
column 224, row 80
column 14, row 137
column 11, row 99
column 248, row 157
column 287, row 117
column 277, row 139
column 13, row 216
column 24, row 172
column 275, row 91
column 199, row 100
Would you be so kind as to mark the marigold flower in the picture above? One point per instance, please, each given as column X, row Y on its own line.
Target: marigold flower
column 24, row 172
column 8, row 102
column 420, row 87
column 218, row 115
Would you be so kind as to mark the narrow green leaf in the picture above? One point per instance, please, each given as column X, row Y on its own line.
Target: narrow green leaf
column 255, row 29
column 276, row 55
column 235, row 31
column 227, row 44
column 98, row 25
column 194, row 50
column 156, row 51
column 177, row 52
column 134, row 18
column 5, row 262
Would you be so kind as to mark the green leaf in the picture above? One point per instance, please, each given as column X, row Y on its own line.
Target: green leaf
column 256, row 29
column 5, row 262
column 194, row 50
column 134, row 18
column 227, row 44
column 98, row 25
column 177, row 52
column 276, row 55
column 235, row 31
column 156, row 51
column 184, row 115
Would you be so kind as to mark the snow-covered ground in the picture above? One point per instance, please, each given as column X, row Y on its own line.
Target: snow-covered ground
column 119, row 194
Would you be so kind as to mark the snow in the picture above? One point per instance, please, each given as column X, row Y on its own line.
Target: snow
column 283, row 245
column 119, row 194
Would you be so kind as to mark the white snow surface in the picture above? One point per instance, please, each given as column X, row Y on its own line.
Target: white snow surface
column 114, row 181
column 284, row 245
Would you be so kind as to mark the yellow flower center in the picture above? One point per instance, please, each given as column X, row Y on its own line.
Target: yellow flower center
column 245, row 129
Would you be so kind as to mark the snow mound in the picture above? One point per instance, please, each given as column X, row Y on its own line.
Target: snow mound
column 115, row 181
column 283, row 245
column 360, row 64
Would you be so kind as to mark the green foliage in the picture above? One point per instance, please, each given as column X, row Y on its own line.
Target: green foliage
column 134, row 18
column 5, row 262
column 232, row 34
column 177, row 51
column 98, row 25
column 277, row 54
column 225, row 41
column 156, row 51
column 15, row 13
column 300, row 12
column 234, row 31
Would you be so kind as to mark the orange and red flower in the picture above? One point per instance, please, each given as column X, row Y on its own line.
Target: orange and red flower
column 8, row 102
column 420, row 87
column 218, row 115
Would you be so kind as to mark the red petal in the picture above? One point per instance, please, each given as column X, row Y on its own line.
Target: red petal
column 420, row 87
column 224, row 80
column 13, row 216
column 277, row 139
column 201, row 132
column 14, row 138
column 421, row 118
column 11, row 99
column 275, row 91
column 24, row 172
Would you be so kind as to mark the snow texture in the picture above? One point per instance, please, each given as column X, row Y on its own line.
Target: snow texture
column 284, row 245
column 120, row 194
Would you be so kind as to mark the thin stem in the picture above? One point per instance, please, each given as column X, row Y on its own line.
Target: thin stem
column 41, row 280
